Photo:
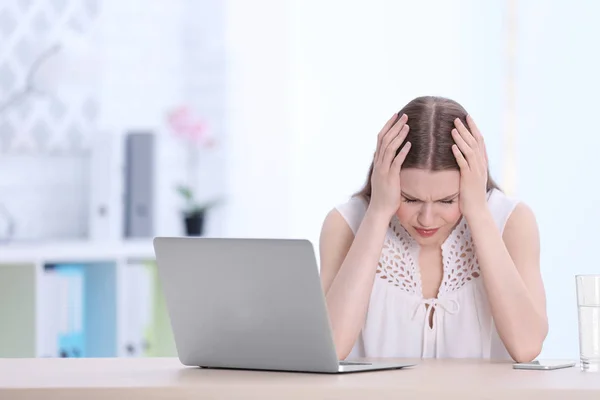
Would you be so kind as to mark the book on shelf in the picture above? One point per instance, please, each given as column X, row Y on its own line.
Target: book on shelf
column 136, row 308
column 139, row 184
column 63, row 312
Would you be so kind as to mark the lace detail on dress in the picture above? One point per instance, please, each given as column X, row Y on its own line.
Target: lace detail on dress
column 397, row 262
column 460, row 262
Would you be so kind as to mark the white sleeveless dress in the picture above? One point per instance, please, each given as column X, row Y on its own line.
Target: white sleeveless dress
column 396, row 323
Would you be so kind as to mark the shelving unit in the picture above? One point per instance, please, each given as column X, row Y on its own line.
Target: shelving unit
column 120, row 309
column 75, row 251
column 80, row 186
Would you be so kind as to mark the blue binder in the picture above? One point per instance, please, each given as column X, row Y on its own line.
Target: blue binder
column 71, row 337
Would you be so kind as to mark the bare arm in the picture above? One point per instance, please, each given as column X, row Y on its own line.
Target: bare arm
column 510, row 269
column 348, row 266
column 510, row 263
column 348, row 263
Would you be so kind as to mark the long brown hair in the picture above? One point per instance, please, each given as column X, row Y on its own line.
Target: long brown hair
column 431, row 119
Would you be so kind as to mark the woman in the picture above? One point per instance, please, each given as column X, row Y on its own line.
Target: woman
column 431, row 258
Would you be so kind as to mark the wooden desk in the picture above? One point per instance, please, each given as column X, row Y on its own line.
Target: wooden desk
column 162, row 378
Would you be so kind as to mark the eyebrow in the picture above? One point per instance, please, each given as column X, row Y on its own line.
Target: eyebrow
column 409, row 197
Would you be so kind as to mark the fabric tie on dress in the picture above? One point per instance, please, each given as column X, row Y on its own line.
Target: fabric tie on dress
column 451, row 306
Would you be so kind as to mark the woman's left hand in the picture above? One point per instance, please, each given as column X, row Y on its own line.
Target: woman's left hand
column 471, row 156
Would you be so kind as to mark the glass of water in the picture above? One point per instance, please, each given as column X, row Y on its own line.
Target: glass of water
column 588, row 304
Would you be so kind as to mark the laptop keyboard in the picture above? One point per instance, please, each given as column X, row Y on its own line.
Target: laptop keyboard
column 354, row 363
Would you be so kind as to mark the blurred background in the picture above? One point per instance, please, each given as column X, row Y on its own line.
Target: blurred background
column 121, row 120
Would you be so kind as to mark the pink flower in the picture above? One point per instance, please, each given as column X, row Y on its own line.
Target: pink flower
column 189, row 127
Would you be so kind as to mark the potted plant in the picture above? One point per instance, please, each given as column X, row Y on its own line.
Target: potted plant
column 194, row 212
column 193, row 133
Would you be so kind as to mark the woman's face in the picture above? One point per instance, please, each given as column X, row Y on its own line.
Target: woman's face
column 429, row 208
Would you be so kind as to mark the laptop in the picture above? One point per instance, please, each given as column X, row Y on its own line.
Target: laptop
column 251, row 304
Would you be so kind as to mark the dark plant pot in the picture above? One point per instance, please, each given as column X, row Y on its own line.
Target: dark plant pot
column 194, row 223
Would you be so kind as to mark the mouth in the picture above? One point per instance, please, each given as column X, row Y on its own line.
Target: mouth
column 426, row 232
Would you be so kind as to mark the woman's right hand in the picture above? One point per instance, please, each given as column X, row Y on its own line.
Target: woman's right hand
column 385, row 179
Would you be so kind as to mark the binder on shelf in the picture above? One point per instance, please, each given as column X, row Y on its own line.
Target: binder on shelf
column 50, row 306
column 136, row 308
column 106, row 191
column 19, row 305
column 78, row 310
column 71, row 310
column 160, row 333
column 101, row 309
column 139, row 185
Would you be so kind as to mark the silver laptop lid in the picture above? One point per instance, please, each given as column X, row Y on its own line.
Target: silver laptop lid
column 246, row 303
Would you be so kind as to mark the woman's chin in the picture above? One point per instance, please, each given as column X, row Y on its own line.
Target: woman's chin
column 430, row 241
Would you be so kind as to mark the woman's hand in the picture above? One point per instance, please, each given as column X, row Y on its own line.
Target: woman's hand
column 471, row 156
column 385, row 179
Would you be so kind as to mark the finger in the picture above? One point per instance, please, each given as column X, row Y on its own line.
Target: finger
column 466, row 135
column 393, row 147
column 478, row 137
column 483, row 150
column 383, row 131
column 399, row 159
column 387, row 127
column 460, row 159
column 474, row 129
column 391, row 135
column 464, row 147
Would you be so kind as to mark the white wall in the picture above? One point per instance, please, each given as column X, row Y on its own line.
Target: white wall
column 259, row 127
column 558, row 86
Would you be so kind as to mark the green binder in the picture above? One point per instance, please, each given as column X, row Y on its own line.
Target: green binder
column 159, row 334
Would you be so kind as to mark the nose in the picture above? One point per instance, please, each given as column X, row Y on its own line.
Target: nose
column 425, row 217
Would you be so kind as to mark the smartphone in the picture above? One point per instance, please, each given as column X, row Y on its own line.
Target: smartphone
column 545, row 365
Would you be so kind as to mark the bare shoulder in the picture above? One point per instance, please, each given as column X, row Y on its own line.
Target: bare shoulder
column 521, row 223
column 336, row 224
column 334, row 243
column 521, row 235
column 336, row 234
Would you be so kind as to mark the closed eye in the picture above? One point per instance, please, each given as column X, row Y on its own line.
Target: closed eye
column 406, row 200
column 447, row 201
